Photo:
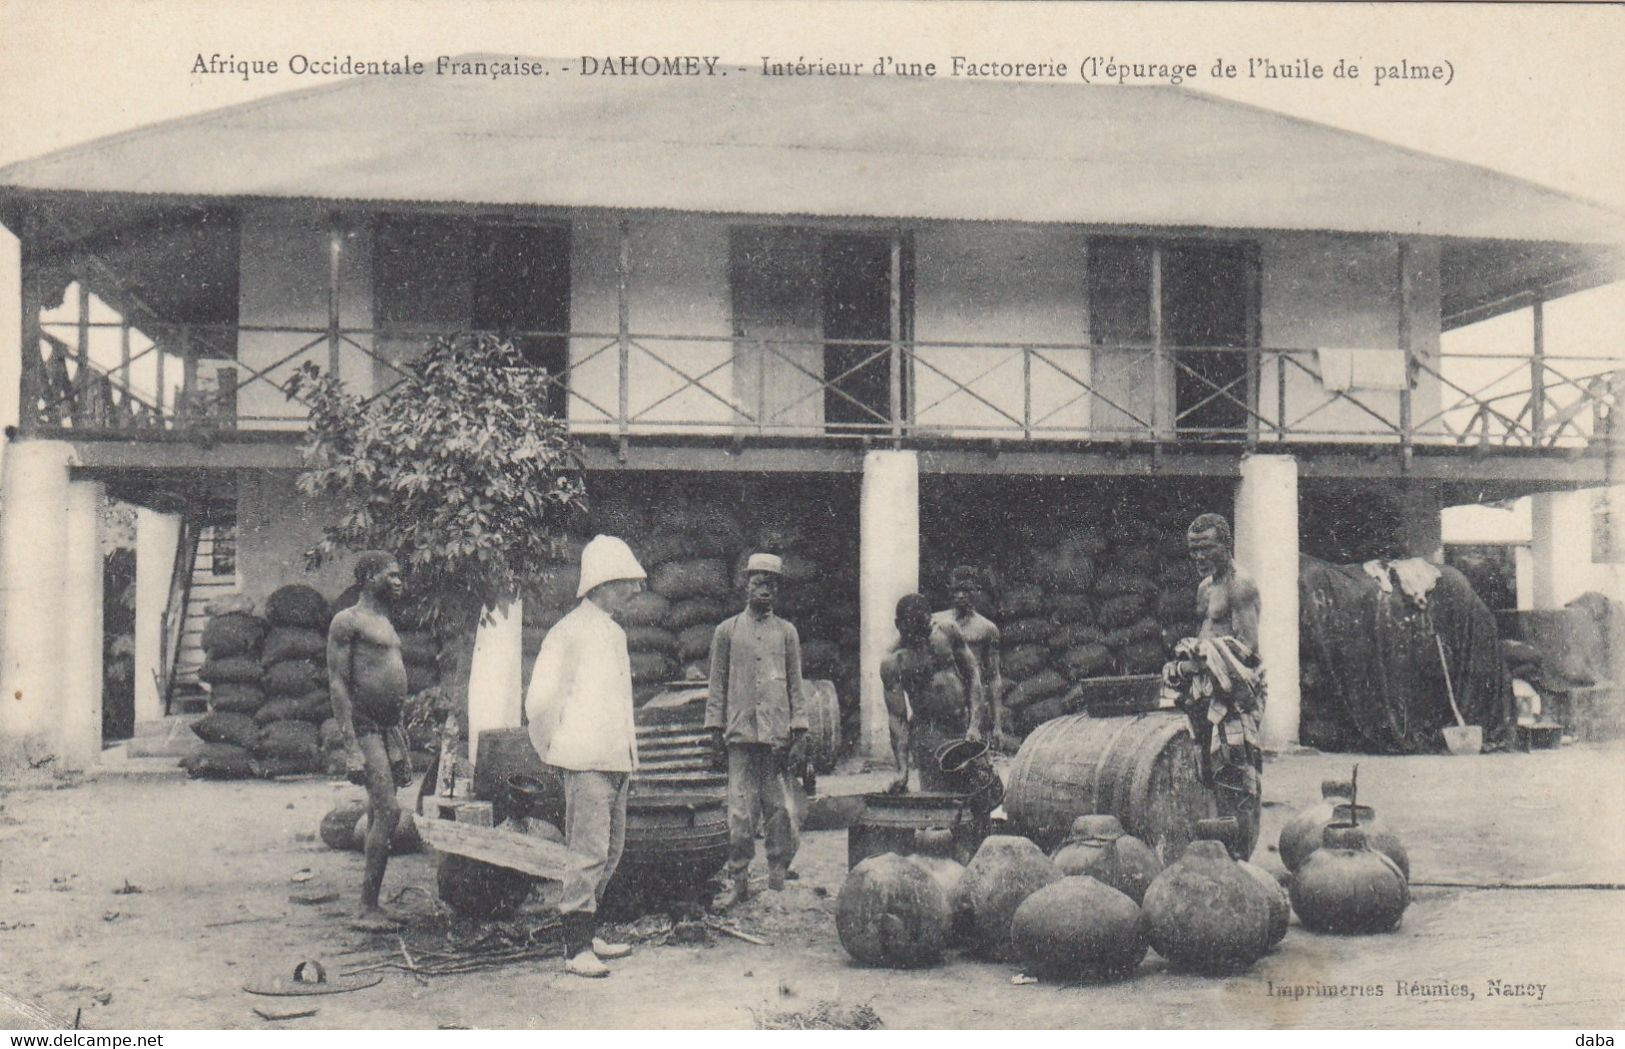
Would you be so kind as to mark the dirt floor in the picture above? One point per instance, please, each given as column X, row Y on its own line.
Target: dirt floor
column 148, row 901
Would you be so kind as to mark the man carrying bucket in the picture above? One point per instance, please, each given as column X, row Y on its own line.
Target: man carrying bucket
column 934, row 694
column 756, row 717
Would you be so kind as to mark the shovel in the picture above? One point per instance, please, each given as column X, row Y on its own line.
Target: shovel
column 1462, row 738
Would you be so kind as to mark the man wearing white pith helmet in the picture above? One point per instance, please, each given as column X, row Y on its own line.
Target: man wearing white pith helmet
column 580, row 711
column 757, row 719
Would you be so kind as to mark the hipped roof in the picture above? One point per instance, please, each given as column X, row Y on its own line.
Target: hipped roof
column 887, row 147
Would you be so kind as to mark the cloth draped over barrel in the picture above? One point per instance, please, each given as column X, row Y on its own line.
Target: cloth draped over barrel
column 1372, row 679
column 1219, row 684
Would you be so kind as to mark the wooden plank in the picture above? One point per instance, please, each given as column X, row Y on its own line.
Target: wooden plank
column 533, row 856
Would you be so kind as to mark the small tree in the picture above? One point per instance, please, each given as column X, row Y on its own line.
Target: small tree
column 460, row 471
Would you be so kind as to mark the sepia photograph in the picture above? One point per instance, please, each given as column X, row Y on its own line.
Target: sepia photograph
column 859, row 515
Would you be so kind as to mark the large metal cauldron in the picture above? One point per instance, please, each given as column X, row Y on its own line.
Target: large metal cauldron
column 675, row 843
column 937, row 824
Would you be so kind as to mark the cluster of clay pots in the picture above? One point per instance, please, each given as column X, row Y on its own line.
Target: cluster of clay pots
column 1350, row 871
column 1093, row 908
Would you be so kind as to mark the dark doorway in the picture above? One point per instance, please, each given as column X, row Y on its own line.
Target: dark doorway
column 522, row 290
column 118, row 645
column 1208, row 300
column 857, row 306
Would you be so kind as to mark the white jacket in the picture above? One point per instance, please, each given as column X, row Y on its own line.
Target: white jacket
column 580, row 698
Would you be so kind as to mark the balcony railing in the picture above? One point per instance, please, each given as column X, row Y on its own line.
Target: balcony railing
column 626, row 384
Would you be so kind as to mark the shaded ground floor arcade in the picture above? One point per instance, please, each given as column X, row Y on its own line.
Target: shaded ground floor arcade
column 1052, row 532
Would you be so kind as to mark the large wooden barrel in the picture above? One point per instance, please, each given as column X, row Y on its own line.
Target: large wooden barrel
column 823, row 723
column 1143, row 768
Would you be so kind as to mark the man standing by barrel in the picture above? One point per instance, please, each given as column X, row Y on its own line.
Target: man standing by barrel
column 580, row 711
column 757, row 720
column 982, row 636
column 1217, row 679
column 366, row 681
column 934, row 693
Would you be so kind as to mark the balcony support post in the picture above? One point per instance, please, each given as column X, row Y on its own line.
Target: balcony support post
column 189, row 372
column 81, row 352
column 1164, row 405
column 1537, row 373
column 623, row 333
column 31, row 379
column 895, row 329
column 1404, row 280
column 335, row 258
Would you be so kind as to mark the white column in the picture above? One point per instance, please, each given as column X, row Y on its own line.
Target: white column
column 1563, row 527
column 1545, row 553
column 1523, row 569
column 33, row 545
column 1266, row 529
column 81, row 664
column 888, row 568
column 494, row 672
column 156, row 538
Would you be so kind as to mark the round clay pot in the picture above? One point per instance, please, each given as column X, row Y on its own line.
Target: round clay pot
column 1301, row 835
column 1078, row 928
column 892, row 912
column 1099, row 848
column 1279, row 903
column 1347, row 887
column 1205, row 913
column 1378, row 835
column 1003, row 873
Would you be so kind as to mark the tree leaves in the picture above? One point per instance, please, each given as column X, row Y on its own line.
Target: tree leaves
column 459, row 471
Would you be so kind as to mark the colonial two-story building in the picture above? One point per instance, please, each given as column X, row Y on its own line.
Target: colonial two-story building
column 921, row 300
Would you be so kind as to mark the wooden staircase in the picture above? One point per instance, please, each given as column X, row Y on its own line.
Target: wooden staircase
column 205, row 570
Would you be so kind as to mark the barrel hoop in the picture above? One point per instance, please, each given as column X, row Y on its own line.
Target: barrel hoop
column 1153, row 744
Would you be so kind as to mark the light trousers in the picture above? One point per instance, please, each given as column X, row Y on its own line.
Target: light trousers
column 756, row 784
column 595, row 832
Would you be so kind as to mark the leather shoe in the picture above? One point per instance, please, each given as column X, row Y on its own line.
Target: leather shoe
column 610, row 951
column 586, row 963
column 775, row 878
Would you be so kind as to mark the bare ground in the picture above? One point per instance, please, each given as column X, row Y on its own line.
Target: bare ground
column 209, row 870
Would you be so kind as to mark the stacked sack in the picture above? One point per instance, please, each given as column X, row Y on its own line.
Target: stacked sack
column 295, row 661
column 1087, row 600
column 694, row 546
column 232, row 641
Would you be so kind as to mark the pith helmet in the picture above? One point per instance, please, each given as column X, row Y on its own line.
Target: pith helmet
column 765, row 563
column 604, row 560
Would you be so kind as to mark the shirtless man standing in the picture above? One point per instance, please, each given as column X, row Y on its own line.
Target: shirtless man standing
column 934, row 693
column 982, row 636
column 367, row 682
column 1227, row 597
column 1218, row 680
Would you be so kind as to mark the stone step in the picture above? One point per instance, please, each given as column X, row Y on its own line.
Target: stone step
column 168, row 738
column 118, row 761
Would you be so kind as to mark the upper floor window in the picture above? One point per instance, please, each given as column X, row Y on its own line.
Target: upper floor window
column 436, row 274
column 1208, row 309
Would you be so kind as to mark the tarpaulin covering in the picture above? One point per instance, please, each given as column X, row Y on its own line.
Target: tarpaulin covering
column 1372, row 676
